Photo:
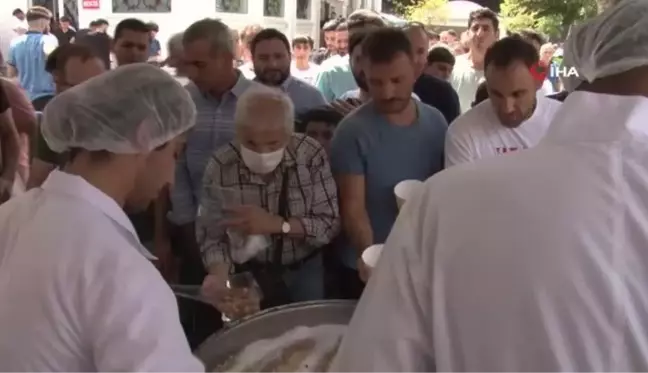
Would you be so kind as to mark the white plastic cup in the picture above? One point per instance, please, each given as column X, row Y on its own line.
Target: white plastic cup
column 371, row 255
column 405, row 189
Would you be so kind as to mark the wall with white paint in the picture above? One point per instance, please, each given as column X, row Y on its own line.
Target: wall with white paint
column 183, row 15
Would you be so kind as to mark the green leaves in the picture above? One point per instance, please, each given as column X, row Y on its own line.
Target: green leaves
column 552, row 17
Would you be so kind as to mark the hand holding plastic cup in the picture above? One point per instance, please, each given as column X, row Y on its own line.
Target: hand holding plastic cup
column 405, row 189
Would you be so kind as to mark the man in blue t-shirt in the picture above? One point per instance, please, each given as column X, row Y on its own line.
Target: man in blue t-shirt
column 27, row 56
column 391, row 138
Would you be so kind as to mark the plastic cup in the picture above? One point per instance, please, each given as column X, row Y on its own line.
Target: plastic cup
column 405, row 189
column 371, row 255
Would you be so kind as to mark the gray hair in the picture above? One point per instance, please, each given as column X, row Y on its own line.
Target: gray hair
column 247, row 112
column 174, row 45
column 213, row 30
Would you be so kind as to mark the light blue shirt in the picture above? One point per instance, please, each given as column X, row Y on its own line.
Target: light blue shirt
column 27, row 55
column 335, row 78
column 365, row 143
column 303, row 95
column 214, row 128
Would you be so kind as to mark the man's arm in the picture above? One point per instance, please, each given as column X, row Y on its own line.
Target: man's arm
column 134, row 328
column 322, row 222
column 183, row 203
column 9, row 143
column 210, row 233
column 22, row 110
column 347, row 162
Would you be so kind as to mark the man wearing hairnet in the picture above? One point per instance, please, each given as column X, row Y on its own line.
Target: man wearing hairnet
column 80, row 291
column 551, row 273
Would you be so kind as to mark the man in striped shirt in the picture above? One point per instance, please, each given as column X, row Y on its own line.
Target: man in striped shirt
column 216, row 86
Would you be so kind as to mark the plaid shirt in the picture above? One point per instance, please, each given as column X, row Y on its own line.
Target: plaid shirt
column 312, row 198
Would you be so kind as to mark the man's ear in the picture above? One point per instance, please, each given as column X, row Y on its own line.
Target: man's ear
column 497, row 35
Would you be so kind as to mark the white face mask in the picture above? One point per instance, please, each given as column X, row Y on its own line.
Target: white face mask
column 261, row 163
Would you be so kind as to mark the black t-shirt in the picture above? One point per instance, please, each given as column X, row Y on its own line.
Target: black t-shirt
column 439, row 94
column 99, row 42
column 64, row 37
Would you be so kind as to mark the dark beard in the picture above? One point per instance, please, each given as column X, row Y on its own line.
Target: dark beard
column 282, row 78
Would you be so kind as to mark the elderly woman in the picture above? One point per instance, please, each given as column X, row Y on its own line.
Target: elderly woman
column 268, row 204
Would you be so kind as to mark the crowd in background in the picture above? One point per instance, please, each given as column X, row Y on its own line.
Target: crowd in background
column 289, row 169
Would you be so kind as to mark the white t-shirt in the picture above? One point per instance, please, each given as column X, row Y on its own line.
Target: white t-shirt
column 307, row 75
column 465, row 80
column 479, row 133
column 546, row 89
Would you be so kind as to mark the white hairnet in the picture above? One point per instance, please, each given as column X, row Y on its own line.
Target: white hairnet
column 611, row 43
column 132, row 109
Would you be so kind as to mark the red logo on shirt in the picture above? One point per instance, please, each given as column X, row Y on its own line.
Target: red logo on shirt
column 539, row 71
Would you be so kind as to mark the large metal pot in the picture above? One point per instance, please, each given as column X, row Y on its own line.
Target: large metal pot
column 271, row 323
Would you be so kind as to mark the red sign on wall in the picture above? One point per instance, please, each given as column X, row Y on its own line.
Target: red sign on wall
column 90, row 4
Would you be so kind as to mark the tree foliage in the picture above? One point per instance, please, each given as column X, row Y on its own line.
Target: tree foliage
column 425, row 11
column 552, row 17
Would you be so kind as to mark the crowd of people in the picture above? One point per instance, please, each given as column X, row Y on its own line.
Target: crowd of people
column 247, row 152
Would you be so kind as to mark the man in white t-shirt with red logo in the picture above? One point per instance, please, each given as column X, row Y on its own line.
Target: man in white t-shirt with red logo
column 513, row 118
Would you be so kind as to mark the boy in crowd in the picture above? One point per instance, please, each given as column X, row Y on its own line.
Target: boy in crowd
column 301, row 67
column 319, row 123
column 440, row 62
column 155, row 49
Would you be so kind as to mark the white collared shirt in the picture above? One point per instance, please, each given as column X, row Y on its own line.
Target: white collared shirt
column 78, row 290
column 536, row 261
column 479, row 133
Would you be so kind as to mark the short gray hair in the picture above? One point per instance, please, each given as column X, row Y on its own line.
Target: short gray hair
column 246, row 107
column 213, row 30
column 174, row 45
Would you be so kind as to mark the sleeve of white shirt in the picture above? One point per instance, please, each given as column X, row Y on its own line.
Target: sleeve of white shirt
column 391, row 328
column 50, row 42
column 133, row 317
column 458, row 147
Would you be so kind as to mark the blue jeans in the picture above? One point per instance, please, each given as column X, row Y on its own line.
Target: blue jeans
column 306, row 282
